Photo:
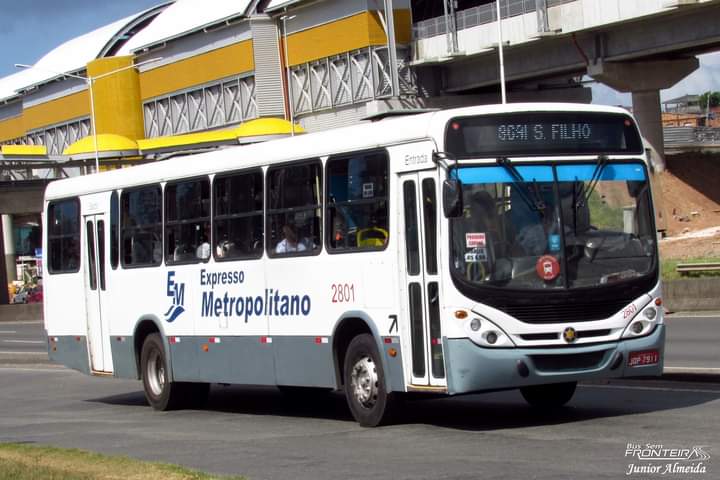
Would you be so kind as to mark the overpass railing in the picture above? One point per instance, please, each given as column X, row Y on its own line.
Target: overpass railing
column 479, row 15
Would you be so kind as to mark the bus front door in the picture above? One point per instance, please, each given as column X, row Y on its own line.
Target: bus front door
column 421, row 299
column 95, row 293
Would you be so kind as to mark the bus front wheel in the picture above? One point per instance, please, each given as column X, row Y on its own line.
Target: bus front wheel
column 365, row 391
column 161, row 393
column 549, row 396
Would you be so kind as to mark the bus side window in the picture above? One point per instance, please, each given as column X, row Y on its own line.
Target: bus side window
column 187, row 221
column 114, row 230
column 357, row 202
column 294, row 219
column 63, row 237
column 141, row 219
column 238, row 215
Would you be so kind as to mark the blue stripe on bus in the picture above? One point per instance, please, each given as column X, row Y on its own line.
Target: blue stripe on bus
column 569, row 173
column 565, row 173
column 529, row 173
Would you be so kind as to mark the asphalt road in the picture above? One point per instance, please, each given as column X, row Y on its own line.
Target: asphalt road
column 693, row 341
column 264, row 435
column 22, row 343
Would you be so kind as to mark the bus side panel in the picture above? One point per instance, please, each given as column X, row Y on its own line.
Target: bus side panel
column 123, row 357
column 71, row 351
column 304, row 361
column 236, row 359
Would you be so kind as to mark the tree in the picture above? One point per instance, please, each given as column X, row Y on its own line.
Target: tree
column 714, row 99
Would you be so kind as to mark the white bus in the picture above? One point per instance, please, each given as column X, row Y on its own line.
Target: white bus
column 457, row 251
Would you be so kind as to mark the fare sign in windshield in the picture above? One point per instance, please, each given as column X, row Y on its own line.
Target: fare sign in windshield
column 543, row 133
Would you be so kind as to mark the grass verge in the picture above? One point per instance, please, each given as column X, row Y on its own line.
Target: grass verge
column 29, row 462
column 669, row 266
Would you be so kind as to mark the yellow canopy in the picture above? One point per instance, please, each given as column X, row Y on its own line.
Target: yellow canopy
column 197, row 140
column 23, row 151
column 108, row 146
column 262, row 129
column 258, row 130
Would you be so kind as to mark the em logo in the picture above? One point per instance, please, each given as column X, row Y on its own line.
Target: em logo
column 176, row 291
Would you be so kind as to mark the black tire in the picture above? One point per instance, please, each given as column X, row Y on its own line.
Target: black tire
column 549, row 396
column 161, row 393
column 369, row 401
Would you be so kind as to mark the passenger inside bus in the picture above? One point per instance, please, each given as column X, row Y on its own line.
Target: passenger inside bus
column 290, row 242
column 203, row 250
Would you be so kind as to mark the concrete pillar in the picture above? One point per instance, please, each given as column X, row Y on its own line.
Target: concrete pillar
column 647, row 111
column 645, row 79
column 4, row 298
column 9, row 248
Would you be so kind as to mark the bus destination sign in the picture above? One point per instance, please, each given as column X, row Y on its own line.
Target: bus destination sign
column 543, row 133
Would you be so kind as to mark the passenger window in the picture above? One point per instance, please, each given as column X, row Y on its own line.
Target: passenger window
column 238, row 216
column 63, row 227
column 357, row 205
column 114, row 230
column 141, row 220
column 187, row 221
column 294, row 210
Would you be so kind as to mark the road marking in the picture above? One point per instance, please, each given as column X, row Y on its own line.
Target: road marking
column 39, row 368
column 692, row 370
column 656, row 389
column 7, row 331
column 23, row 353
column 39, row 342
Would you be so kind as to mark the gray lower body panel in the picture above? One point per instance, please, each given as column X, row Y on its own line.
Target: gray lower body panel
column 71, row 351
column 288, row 360
column 123, row 356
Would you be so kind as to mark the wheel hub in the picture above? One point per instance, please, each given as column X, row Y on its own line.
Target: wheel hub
column 364, row 382
column 156, row 374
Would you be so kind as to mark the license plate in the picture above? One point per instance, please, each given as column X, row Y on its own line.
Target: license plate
column 649, row 357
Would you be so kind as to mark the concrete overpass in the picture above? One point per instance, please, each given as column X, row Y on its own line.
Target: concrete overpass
column 636, row 46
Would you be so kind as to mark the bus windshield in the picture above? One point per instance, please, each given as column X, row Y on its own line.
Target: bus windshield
column 559, row 226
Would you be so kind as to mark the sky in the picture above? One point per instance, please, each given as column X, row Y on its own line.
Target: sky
column 31, row 28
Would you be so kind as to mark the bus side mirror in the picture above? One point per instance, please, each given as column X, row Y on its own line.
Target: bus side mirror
column 452, row 198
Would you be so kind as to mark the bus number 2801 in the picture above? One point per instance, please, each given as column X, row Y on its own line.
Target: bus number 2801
column 343, row 293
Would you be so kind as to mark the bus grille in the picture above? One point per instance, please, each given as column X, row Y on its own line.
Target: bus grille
column 576, row 361
column 566, row 312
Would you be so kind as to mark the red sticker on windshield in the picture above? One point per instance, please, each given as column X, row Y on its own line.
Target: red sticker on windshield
column 547, row 267
column 474, row 240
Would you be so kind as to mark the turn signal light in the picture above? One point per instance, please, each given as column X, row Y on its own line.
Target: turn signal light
column 658, row 301
column 392, row 352
column 461, row 314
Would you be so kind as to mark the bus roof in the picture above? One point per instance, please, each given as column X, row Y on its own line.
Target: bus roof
column 364, row 136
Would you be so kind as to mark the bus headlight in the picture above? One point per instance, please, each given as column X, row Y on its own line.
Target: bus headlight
column 642, row 324
column 485, row 333
column 650, row 313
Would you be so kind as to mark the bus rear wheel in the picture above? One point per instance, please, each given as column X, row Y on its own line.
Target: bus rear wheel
column 161, row 393
column 549, row 396
column 369, row 401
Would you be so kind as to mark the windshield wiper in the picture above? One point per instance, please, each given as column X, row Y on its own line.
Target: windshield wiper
column 602, row 161
column 531, row 196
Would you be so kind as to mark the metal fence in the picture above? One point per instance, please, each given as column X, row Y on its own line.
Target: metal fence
column 479, row 15
column 691, row 135
column 348, row 78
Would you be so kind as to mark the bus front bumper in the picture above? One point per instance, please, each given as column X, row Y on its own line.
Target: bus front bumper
column 472, row 368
